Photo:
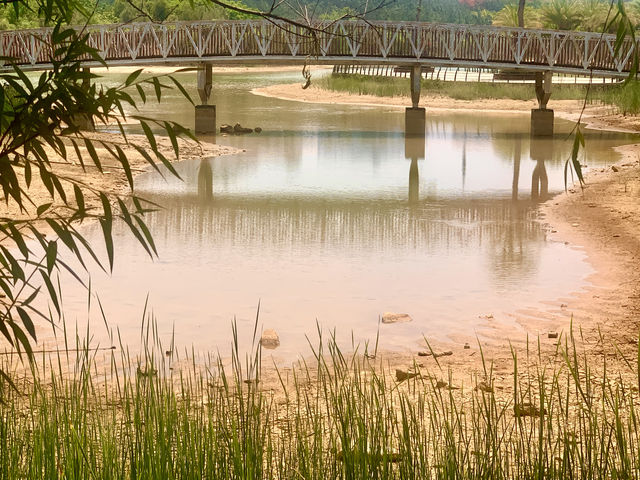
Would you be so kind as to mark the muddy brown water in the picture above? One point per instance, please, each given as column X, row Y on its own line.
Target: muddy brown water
column 329, row 218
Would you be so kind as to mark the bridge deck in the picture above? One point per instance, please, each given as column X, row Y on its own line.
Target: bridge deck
column 397, row 43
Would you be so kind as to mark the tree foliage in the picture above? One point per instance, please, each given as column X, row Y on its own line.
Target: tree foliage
column 40, row 118
column 583, row 15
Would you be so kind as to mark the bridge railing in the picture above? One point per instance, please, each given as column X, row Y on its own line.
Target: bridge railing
column 399, row 42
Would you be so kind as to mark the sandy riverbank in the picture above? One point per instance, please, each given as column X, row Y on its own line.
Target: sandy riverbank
column 595, row 116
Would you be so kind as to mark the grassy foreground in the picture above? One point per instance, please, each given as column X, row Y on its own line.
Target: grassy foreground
column 335, row 417
column 626, row 98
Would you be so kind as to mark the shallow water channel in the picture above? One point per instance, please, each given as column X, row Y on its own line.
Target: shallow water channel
column 325, row 220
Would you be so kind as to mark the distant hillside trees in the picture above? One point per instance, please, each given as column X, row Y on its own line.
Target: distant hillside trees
column 584, row 15
column 587, row 15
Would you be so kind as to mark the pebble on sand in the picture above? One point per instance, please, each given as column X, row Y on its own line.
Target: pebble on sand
column 389, row 317
column 402, row 375
column 270, row 339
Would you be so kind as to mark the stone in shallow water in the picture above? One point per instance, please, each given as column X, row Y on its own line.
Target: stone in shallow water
column 270, row 339
column 402, row 375
column 389, row 317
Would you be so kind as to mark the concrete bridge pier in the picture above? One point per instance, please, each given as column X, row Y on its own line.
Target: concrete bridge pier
column 205, row 113
column 415, row 117
column 83, row 121
column 542, row 117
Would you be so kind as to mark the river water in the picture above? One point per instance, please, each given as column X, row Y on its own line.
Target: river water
column 328, row 218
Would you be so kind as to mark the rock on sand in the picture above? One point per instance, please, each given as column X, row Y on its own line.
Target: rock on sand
column 270, row 339
column 389, row 317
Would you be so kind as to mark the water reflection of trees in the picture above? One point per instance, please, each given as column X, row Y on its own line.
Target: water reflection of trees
column 512, row 253
column 497, row 225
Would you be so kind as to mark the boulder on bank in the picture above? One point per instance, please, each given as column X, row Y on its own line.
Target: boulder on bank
column 389, row 317
column 269, row 339
column 239, row 129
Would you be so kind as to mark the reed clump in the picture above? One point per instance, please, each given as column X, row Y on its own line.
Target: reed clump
column 333, row 416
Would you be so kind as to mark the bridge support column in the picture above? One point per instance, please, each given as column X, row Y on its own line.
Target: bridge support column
column 415, row 117
column 83, row 121
column 542, row 117
column 205, row 113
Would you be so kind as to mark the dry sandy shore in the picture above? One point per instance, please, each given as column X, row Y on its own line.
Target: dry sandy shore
column 603, row 219
column 595, row 116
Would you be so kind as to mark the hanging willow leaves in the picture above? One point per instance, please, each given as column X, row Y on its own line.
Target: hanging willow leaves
column 625, row 50
column 41, row 118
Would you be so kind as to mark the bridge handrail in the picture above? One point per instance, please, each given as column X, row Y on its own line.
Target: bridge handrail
column 345, row 40
column 320, row 25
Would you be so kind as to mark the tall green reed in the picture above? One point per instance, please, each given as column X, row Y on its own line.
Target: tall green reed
column 116, row 415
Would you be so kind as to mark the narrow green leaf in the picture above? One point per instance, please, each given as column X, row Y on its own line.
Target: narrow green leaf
column 122, row 158
column 149, row 134
column 173, row 138
column 22, row 339
column 106, row 207
column 43, row 208
column 52, row 292
column 5, row 332
column 52, row 255
column 94, row 155
column 158, row 88
column 146, row 233
column 16, row 236
column 182, row 89
column 132, row 77
column 27, row 322
column 27, row 173
column 7, row 378
column 143, row 96
column 79, row 197
column 108, row 239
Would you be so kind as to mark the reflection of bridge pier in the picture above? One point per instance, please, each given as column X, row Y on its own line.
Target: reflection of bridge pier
column 205, row 180
column 541, row 150
column 205, row 113
column 414, row 149
column 516, row 169
column 414, row 182
column 415, row 117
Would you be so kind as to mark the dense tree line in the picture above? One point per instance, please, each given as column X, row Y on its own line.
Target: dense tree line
column 110, row 11
column 587, row 15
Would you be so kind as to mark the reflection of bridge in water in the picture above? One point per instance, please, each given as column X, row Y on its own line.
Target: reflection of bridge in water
column 541, row 150
column 413, row 45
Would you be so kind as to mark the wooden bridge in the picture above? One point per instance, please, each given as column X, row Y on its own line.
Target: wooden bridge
column 396, row 43
column 405, row 44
